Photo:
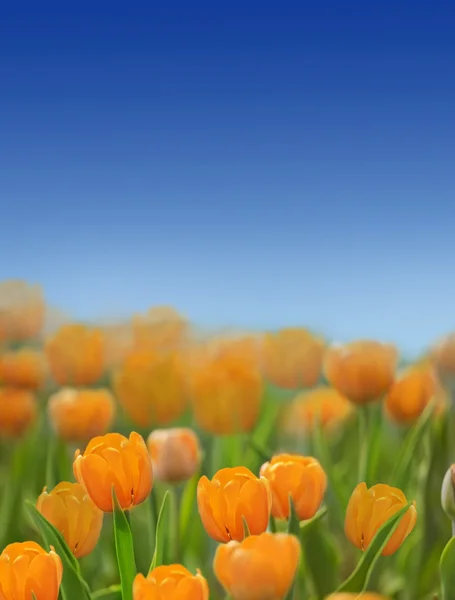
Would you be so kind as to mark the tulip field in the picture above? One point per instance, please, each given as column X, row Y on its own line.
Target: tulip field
column 148, row 460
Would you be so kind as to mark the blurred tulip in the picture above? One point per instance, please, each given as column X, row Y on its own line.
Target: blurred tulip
column 161, row 329
column 322, row 404
column 225, row 388
column 76, row 355
column 26, row 569
column 151, row 387
column 175, row 453
column 231, row 496
column 363, row 371
column 411, row 392
column 118, row 344
column 22, row 311
column 114, row 460
column 442, row 355
column 25, row 368
column 356, row 596
column 73, row 513
column 448, row 493
column 18, row 410
column 261, row 567
column 78, row 414
column 170, row 582
column 369, row 509
column 293, row 358
column 299, row 477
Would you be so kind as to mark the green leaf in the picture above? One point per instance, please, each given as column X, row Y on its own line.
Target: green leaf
column 73, row 585
column 246, row 529
column 293, row 522
column 447, row 571
column 114, row 592
column 359, row 578
column 124, row 549
column 157, row 559
column 187, row 506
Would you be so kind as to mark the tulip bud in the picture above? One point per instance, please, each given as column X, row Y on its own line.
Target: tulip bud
column 448, row 493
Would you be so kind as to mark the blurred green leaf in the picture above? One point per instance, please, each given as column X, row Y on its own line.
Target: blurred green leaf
column 114, row 592
column 447, row 571
column 158, row 553
column 124, row 549
column 187, row 507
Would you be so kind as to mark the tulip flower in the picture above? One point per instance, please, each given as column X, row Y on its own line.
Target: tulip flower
column 76, row 355
column 231, row 496
column 115, row 461
column 73, row 513
column 369, row 509
column 261, row 567
column 292, row 358
column 170, row 582
column 18, row 411
column 442, row 355
column 151, row 387
column 27, row 569
column 299, row 477
column 22, row 311
column 175, row 453
column 363, row 371
column 80, row 414
column 23, row 368
column 161, row 329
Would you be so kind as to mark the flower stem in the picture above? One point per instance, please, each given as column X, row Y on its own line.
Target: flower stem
column 362, row 414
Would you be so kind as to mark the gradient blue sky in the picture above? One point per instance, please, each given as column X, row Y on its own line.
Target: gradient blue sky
column 253, row 166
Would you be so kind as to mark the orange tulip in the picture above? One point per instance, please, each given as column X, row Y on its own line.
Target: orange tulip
column 24, row 368
column 18, row 411
column 78, row 415
column 293, row 358
column 161, row 329
column 369, row 509
column 170, row 582
column 262, row 567
column 322, row 404
column 226, row 388
column 27, row 569
column 114, row 460
column 362, row 371
column 74, row 514
column 176, row 454
column 411, row 393
column 118, row 344
column 22, row 311
column 231, row 496
column 76, row 355
column 151, row 387
column 355, row 596
column 300, row 477
column 442, row 355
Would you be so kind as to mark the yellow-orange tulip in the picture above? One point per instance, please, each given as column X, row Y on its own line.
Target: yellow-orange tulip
column 323, row 404
column 118, row 344
column 170, row 582
column 300, row 477
column 443, row 356
column 161, row 329
column 114, row 460
column 18, row 411
column 22, row 311
column 176, row 454
column 231, row 496
column 24, row 368
column 26, row 569
column 151, row 387
column 369, row 508
column 73, row 513
column 355, row 596
column 411, row 393
column 293, row 358
column 226, row 388
column 76, row 355
column 78, row 414
column 363, row 371
column 261, row 567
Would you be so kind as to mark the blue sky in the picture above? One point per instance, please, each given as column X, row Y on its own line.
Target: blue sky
column 253, row 166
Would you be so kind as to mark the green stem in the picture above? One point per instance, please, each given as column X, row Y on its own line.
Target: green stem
column 362, row 414
column 174, row 545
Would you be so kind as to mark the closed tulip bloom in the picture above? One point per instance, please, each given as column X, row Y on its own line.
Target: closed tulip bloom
column 76, row 355
column 151, row 387
column 300, row 477
column 22, row 311
column 363, row 371
column 26, row 569
column 369, row 508
column 114, row 460
column 293, row 358
column 355, row 596
column 73, row 513
column 79, row 415
column 175, row 453
column 18, row 411
column 231, row 496
column 262, row 567
column 161, row 329
column 170, row 582
column 25, row 368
